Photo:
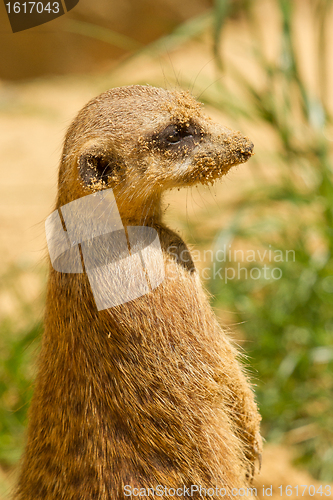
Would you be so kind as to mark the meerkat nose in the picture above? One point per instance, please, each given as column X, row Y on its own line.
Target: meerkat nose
column 247, row 150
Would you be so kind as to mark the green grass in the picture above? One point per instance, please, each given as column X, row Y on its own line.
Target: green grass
column 19, row 340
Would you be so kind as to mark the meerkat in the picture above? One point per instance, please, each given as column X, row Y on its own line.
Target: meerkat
column 149, row 393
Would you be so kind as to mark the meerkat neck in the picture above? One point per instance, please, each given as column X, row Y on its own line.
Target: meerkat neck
column 145, row 212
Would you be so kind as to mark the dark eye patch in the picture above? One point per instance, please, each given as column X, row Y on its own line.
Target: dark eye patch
column 177, row 136
column 174, row 134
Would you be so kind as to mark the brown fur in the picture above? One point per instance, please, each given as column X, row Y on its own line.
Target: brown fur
column 149, row 392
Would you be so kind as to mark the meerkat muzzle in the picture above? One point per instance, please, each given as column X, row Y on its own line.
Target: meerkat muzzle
column 215, row 155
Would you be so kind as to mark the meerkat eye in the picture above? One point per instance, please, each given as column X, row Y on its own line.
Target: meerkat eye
column 173, row 134
column 173, row 137
column 178, row 137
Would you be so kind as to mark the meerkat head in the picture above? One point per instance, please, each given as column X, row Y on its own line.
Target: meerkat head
column 140, row 141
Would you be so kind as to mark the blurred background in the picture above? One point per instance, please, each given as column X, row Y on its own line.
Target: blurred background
column 264, row 67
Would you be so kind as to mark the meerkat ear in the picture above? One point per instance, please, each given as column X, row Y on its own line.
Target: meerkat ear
column 96, row 166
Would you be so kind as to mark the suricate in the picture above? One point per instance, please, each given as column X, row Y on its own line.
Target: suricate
column 147, row 394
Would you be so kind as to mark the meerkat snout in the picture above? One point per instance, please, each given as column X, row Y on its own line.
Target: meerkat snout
column 196, row 151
